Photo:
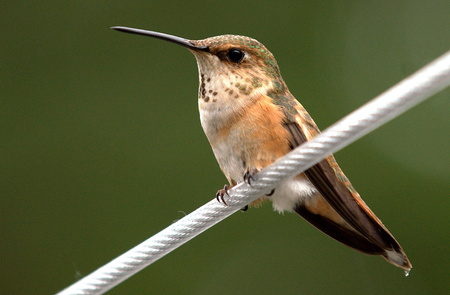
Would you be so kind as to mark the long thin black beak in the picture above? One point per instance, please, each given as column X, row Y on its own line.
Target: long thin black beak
column 174, row 39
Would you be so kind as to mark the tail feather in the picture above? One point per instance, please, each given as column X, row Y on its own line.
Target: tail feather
column 343, row 232
column 339, row 233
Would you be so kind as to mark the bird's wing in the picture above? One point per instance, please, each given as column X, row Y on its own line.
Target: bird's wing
column 338, row 211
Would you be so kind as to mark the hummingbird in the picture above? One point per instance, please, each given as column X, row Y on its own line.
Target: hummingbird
column 251, row 119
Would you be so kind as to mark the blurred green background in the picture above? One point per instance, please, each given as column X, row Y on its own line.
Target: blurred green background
column 101, row 145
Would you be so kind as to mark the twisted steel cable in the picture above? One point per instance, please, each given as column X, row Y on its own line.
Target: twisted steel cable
column 398, row 99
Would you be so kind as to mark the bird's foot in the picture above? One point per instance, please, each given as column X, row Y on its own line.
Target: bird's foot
column 249, row 176
column 221, row 194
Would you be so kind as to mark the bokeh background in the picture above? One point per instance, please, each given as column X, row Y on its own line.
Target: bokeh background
column 101, row 145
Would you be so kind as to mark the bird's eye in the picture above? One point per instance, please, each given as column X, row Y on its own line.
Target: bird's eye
column 235, row 55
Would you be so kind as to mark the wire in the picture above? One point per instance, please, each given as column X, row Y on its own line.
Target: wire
column 398, row 99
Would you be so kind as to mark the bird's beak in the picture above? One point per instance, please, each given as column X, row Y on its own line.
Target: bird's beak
column 174, row 39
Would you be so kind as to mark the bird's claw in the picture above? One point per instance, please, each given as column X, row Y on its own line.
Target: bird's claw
column 249, row 176
column 271, row 193
column 220, row 195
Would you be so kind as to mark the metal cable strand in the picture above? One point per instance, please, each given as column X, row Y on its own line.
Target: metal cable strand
column 408, row 93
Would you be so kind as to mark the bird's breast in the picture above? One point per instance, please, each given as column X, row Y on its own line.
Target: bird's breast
column 245, row 139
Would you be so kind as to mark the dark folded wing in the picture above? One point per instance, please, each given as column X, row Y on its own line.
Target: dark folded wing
column 370, row 235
